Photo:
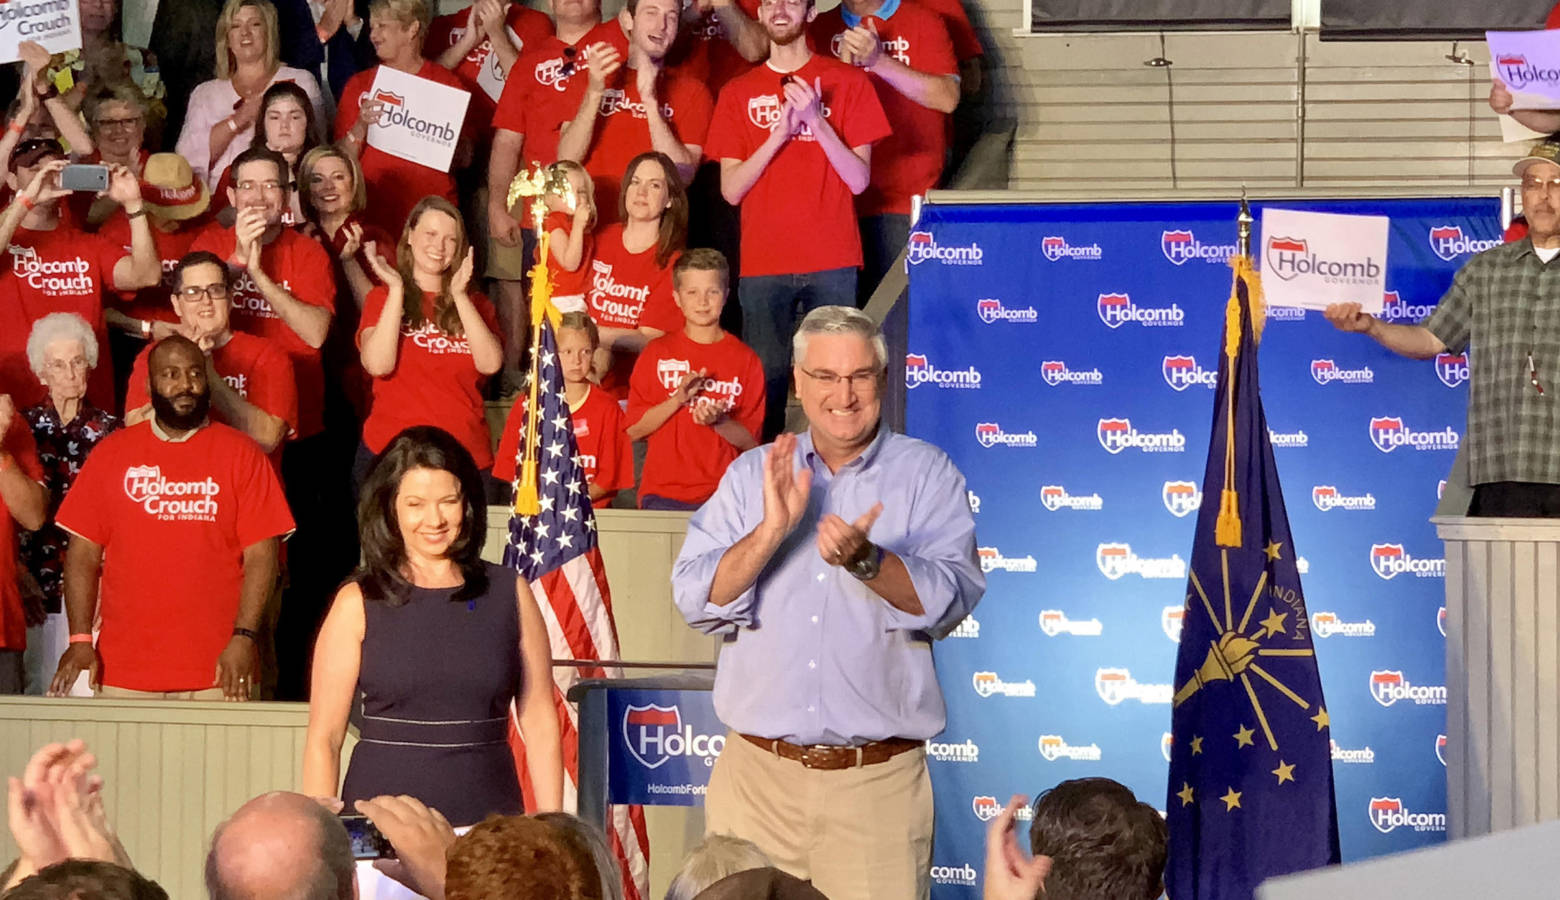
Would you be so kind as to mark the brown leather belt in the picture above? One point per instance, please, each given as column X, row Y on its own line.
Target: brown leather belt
column 826, row 756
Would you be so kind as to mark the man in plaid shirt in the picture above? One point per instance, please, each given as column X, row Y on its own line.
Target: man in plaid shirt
column 1506, row 302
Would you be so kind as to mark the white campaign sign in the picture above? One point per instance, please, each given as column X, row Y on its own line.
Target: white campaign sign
column 1311, row 259
column 491, row 77
column 422, row 118
column 1528, row 63
column 56, row 24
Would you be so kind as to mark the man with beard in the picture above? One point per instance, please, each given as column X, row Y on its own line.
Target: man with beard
column 794, row 139
column 182, row 518
column 622, row 114
column 251, row 381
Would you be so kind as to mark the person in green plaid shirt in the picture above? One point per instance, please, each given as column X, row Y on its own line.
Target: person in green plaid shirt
column 1505, row 301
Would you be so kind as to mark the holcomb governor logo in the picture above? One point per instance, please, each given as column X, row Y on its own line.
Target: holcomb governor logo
column 1290, row 257
column 989, row 684
column 1115, row 560
column 967, row 752
column 1448, row 242
column 1181, row 247
column 1388, row 813
column 1117, row 310
column 1053, row 748
column 1451, row 368
column 655, row 734
column 1325, row 371
column 1055, row 248
column 1326, row 497
column 1389, row 561
column 991, row 311
column 964, row 876
column 1389, row 433
column 986, row 808
column 1055, row 497
column 1388, row 686
column 1397, row 310
column 919, row 371
column 1182, row 372
column 1181, row 498
column 990, row 434
column 1116, row 435
column 1328, row 624
column 992, row 560
column 1115, row 685
column 1054, row 622
column 922, row 247
column 1055, row 372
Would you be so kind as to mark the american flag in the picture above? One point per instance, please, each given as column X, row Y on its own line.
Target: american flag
column 556, row 552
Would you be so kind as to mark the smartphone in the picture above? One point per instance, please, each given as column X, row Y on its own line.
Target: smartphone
column 84, row 178
column 367, row 841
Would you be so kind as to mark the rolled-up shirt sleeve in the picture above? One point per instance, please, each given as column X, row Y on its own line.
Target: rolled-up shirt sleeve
column 939, row 553
column 713, row 529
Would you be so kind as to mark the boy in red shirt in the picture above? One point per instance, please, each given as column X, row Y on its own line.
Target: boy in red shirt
column 794, row 138
column 625, row 112
column 250, row 379
column 696, row 396
column 906, row 50
column 182, row 519
column 603, row 450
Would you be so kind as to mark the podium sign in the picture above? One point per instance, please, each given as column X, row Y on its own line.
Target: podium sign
column 661, row 746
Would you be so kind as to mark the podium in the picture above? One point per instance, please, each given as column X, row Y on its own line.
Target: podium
column 1502, row 625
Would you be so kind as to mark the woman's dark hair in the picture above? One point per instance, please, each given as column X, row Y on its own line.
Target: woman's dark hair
column 445, row 315
column 289, row 91
column 418, row 447
column 87, row 879
column 673, row 233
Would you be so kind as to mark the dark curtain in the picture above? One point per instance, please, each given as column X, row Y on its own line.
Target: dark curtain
column 1158, row 15
column 1418, row 20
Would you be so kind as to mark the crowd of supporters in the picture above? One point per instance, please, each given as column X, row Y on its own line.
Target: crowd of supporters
column 732, row 164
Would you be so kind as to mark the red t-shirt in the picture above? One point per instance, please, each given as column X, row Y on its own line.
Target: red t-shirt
column 564, row 282
column 684, row 460
column 152, row 303
column 173, row 520
column 17, row 440
column 604, row 450
column 253, row 367
column 301, row 266
column 1554, row 18
column 435, row 382
column 395, row 184
column 909, row 161
column 623, row 132
column 703, row 51
column 628, row 290
column 536, row 100
column 799, row 217
column 61, row 270
column 479, row 71
column 966, row 43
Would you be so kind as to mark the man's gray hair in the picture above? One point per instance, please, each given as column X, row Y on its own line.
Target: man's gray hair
column 839, row 320
column 331, row 872
column 716, row 857
column 60, row 326
column 601, row 854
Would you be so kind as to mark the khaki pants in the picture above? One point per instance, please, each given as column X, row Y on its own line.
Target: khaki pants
column 856, row 834
column 113, row 693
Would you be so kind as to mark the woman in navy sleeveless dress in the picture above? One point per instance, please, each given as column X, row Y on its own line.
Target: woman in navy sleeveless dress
column 436, row 643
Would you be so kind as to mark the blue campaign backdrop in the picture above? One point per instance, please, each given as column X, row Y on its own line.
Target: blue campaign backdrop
column 1064, row 355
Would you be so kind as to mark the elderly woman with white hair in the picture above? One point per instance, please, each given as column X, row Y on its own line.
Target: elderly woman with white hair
column 62, row 352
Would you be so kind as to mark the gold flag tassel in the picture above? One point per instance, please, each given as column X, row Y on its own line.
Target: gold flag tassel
column 537, row 185
column 1227, row 528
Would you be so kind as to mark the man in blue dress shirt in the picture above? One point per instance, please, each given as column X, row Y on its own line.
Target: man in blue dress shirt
column 829, row 561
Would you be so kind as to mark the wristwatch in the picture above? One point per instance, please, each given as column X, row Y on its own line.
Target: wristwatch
column 867, row 564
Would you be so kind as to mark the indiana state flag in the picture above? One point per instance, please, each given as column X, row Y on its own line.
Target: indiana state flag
column 1251, row 783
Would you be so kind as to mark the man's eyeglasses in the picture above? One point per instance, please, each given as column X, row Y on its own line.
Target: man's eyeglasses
column 1540, row 185
column 195, row 292
column 861, row 380
column 268, row 186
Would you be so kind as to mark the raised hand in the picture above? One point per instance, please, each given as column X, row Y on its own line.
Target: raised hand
column 1500, row 97
column 462, row 277
column 45, row 185
column 354, row 240
column 1009, row 874
column 786, row 491
column 601, row 60
column 689, row 386
column 7, row 413
column 804, row 99
column 841, row 542
column 124, row 187
column 421, row 836
column 861, row 45
column 707, row 413
column 386, row 273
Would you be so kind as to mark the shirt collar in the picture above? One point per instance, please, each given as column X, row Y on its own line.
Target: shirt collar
column 885, row 11
column 804, row 446
column 162, row 435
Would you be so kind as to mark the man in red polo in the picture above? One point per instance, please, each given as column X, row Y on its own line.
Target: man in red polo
column 175, row 529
